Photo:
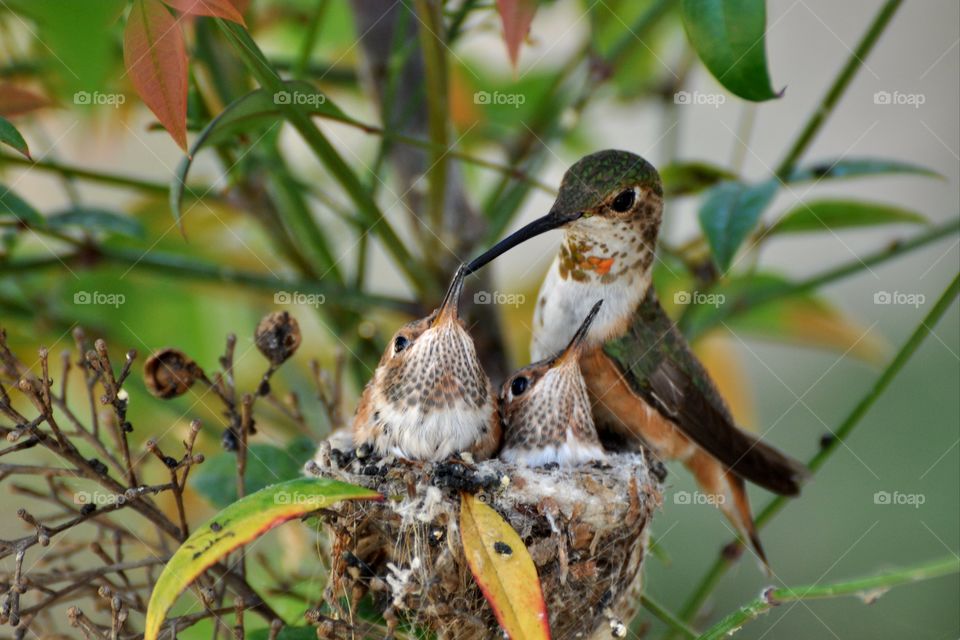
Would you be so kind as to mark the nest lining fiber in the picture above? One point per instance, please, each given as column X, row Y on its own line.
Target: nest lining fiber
column 586, row 529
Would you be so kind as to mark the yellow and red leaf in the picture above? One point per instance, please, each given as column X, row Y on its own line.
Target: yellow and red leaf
column 214, row 8
column 504, row 571
column 516, row 16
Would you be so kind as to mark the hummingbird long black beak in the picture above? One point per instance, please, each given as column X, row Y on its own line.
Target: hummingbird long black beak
column 448, row 310
column 553, row 220
column 572, row 351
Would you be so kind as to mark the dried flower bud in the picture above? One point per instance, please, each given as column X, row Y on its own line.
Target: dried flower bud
column 168, row 373
column 277, row 336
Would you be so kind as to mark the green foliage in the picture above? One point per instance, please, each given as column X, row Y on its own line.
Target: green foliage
column 267, row 464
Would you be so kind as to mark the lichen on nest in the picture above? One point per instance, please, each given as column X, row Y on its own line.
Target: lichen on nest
column 586, row 529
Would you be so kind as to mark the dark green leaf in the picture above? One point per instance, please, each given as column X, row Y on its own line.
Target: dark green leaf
column 821, row 215
column 855, row 168
column 685, row 178
column 251, row 114
column 10, row 136
column 266, row 464
column 729, row 213
column 94, row 219
column 729, row 37
column 12, row 205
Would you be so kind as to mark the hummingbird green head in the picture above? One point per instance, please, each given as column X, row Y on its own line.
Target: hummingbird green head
column 545, row 409
column 429, row 397
column 606, row 196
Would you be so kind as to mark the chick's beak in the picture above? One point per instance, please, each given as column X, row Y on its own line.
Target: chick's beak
column 448, row 309
column 573, row 351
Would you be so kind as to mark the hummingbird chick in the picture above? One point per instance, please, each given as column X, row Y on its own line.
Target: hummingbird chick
column 545, row 409
column 429, row 397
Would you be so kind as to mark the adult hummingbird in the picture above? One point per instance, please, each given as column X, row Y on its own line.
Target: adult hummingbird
column 645, row 384
column 429, row 397
column 546, row 411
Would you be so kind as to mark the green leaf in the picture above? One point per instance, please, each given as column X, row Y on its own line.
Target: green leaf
column 821, row 215
column 10, row 136
column 729, row 37
column 729, row 212
column 12, row 205
column 855, row 168
column 267, row 464
column 685, row 178
column 95, row 219
column 251, row 114
column 240, row 523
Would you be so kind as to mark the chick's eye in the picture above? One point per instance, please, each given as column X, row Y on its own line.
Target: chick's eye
column 400, row 343
column 624, row 201
column 519, row 385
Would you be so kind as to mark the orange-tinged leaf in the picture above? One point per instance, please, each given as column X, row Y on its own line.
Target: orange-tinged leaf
column 214, row 8
column 15, row 101
column 156, row 59
column 241, row 522
column 516, row 16
column 504, row 570
column 719, row 355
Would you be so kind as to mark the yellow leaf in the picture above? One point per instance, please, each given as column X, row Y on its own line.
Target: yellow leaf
column 504, row 570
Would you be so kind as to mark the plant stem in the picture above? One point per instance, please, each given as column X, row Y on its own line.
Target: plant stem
column 435, row 74
column 860, row 586
column 667, row 617
column 842, row 432
column 105, row 177
column 418, row 277
column 840, row 84
column 752, row 301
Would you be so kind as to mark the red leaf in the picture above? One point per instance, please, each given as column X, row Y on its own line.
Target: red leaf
column 15, row 101
column 156, row 59
column 215, row 8
column 516, row 16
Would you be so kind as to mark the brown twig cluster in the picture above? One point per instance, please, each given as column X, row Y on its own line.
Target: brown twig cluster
column 106, row 531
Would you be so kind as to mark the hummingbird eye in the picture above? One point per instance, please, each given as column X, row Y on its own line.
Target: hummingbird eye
column 400, row 343
column 519, row 385
column 624, row 201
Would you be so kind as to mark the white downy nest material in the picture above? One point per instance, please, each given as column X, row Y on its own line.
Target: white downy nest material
column 585, row 527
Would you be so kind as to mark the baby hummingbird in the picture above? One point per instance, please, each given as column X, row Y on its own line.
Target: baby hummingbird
column 429, row 397
column 546, row 412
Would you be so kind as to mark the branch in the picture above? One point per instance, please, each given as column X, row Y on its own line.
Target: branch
column 868, row 589
column 843, row 432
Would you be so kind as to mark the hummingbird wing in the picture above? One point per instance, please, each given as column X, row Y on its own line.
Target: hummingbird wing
column 659, row 366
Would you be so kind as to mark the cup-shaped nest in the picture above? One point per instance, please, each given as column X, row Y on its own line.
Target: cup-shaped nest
column 586, row 529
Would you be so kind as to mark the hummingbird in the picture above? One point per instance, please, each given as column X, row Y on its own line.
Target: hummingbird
column 429, row 398
column 545, row 409
column 646, row 386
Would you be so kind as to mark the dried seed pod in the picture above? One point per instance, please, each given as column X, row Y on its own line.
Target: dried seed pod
column 168, row 373
column 277, row 336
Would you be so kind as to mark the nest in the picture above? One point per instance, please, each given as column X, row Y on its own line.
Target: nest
column 586, row 529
